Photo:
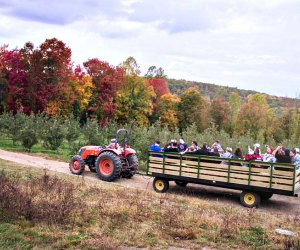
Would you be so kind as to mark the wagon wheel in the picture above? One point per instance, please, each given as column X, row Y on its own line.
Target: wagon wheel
column 160, row 185
column 250, row 199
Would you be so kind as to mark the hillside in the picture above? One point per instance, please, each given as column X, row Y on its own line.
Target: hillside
column 213, row 90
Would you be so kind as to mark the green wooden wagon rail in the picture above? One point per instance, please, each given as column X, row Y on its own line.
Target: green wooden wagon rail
column 258, row 180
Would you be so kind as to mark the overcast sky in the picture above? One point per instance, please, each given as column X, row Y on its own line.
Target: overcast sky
column 252, row 44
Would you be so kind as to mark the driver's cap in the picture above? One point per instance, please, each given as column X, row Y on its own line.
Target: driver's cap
column 113, row 140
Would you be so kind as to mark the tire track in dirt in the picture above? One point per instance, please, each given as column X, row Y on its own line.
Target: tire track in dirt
column 221, row 196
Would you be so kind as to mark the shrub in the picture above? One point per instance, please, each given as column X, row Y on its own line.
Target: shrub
column 29, row 132
column 52, row 133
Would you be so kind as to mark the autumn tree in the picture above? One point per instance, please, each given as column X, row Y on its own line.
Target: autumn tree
column 193, row 108
column 134, row 101
column 235, row 105
column 17, row 96
column 57, row 72
column 167, row 111
column 83, row 87
column 3, row 78
column 154, row 72
column 38, row 79
column 220, row 113
column 131, row 66
column 160, row 86
column 107, row 80
column 253, row 116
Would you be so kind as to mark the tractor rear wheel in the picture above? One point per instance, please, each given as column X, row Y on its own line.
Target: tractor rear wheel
column 77, row 165
column 133, row 164
column 108, row 166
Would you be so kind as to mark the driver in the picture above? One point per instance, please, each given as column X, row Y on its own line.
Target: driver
column 113, row 144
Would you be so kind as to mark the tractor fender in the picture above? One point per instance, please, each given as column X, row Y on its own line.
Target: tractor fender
column 115, row 151
column 129, row 151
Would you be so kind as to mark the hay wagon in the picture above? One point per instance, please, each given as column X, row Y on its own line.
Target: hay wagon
column 257, row 180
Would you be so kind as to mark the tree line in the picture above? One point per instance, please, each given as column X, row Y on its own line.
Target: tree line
column 43, row 82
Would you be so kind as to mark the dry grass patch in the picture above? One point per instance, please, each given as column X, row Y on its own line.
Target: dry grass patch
column 72, row 213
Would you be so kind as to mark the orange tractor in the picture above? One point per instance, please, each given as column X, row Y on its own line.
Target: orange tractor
column 109, row 162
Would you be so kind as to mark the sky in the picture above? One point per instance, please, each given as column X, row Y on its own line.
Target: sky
column 253, row 45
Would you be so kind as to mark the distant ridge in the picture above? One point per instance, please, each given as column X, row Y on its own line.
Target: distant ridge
column 211, row 91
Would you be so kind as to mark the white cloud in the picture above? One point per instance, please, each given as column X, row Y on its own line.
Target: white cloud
column 251, row 45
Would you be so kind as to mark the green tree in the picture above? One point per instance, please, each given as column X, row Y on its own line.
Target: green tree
column 134, row 101
column 52, row 132
column 235, row 105
column 193, row 108
column 253, row 117
column 29, row 132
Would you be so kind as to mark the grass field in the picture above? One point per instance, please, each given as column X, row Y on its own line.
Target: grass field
column 43, row 210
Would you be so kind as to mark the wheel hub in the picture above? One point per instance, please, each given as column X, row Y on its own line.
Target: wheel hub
column 249, row 199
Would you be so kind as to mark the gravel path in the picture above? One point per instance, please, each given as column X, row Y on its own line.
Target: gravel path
column 277, row 204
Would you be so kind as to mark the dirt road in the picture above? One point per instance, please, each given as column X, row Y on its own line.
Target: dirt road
column 277, row 204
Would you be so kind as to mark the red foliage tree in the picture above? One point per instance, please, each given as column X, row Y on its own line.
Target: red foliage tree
column 160, row 86
column 107, row 80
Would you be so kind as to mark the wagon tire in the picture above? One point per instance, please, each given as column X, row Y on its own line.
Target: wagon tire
column 250, row 199
column 160, row 185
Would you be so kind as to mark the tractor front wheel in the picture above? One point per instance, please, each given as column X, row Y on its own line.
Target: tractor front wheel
column 77, row 165
column 108, row 166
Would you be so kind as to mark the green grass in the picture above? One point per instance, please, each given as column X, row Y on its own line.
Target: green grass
column 110, row 217
column 63, row 153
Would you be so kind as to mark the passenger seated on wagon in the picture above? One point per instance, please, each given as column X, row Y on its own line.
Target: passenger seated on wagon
column 156, row 147
column 238, row 154
column 172, row 148
column 227, row 154
column 296, row 158
column 182, row 146
column 204, row 150
column 195, row 145
column 217, row 144
column 255, row 156
column 282, row 155
column 215, row 153
column 268, row 156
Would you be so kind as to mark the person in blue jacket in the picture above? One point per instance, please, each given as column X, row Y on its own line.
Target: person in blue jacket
column 156, row 147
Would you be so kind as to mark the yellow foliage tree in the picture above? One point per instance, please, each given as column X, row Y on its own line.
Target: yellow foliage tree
column 167, row 111
column 134, row 101
column 83, row 88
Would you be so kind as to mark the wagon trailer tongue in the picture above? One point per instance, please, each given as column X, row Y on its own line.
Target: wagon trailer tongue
column 257, row 180
column 111, row 162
